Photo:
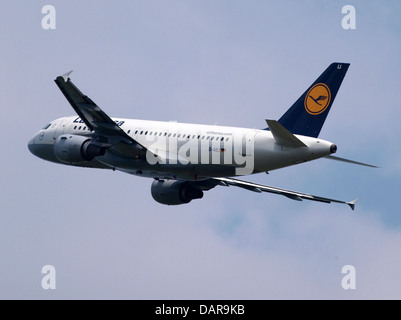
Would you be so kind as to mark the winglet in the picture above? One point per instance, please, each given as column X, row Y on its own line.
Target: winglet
column 66, row 76
column 352, row 203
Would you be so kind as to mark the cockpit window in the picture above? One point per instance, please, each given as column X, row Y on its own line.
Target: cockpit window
column 46, row 126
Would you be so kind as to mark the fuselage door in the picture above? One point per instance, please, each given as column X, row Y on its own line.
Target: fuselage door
column 59, row 127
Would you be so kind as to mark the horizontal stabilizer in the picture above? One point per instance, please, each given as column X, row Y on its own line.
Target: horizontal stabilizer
column 350, row 161
column 284, row 137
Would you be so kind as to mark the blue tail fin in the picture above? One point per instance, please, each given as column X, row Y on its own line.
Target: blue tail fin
column 308, row 113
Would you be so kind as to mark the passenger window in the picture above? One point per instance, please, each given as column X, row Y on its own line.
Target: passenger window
column 222, row 138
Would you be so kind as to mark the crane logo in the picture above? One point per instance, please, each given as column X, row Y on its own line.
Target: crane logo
column 317, row 99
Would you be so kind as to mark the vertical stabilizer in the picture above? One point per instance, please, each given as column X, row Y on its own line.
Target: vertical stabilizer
column 307, row 115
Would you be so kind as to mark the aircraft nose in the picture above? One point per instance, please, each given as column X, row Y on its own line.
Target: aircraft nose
column 35, row 147
column 31, row 146
column 41, row 149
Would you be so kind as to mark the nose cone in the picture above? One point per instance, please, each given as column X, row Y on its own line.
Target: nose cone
column 41, row 149
column 31, row 146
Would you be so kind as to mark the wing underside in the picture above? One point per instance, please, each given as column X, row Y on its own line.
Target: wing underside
column 105, row 131
column 287, row 193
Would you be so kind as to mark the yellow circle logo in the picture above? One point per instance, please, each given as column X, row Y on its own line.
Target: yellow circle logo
column 317, row 99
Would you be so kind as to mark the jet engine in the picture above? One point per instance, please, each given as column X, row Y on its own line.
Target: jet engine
column 76, row 149
column 173, row 192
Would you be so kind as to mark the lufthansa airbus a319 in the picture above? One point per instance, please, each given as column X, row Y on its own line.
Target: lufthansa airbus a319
column 187, row 159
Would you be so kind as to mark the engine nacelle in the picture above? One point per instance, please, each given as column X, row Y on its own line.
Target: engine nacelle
column 76, row 149
column 172, row 192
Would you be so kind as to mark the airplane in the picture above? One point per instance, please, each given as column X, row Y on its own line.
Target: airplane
column 185, row 160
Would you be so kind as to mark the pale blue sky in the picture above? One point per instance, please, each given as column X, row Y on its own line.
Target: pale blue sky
column 215, row 62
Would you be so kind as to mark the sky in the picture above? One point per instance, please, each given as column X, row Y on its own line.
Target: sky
column 225, row 62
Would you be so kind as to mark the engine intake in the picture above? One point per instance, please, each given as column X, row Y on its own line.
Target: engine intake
column 173, row 192
column 76, row 149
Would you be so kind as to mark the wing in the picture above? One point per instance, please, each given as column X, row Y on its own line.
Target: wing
column 262, row 188
column 106, row 131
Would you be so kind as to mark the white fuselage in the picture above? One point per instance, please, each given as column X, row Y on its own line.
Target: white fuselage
column 185, row 151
